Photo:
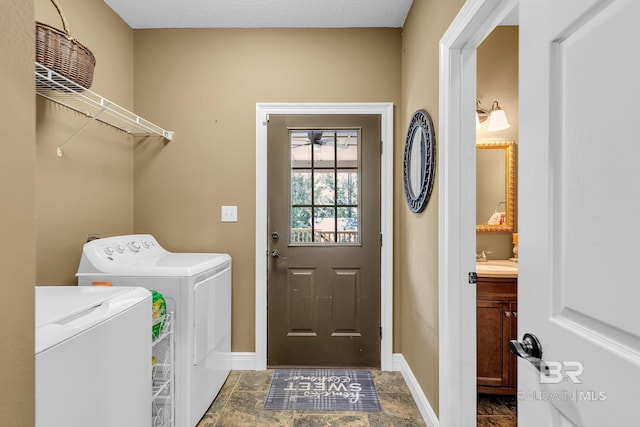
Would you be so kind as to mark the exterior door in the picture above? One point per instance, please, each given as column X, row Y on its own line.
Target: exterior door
column 579, row 201
column 323, row 290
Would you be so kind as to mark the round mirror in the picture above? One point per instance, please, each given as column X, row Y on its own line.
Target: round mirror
column 419, row 161
column 415, row 170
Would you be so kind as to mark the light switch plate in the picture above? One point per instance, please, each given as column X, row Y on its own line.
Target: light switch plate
column 229, row 214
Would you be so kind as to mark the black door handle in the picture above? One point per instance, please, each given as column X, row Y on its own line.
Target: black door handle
column 529, row 349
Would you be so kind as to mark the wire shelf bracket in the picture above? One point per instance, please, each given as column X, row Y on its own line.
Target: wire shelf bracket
column 57, row 88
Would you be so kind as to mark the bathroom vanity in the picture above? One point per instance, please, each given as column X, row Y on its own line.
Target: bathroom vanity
column 497, row 323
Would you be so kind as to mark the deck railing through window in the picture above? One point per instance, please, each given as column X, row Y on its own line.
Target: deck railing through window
column 304, row 235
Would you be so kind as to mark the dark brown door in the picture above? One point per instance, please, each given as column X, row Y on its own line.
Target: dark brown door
column 324, row 232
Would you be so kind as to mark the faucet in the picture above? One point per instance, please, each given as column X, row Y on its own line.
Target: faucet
column 482, row 257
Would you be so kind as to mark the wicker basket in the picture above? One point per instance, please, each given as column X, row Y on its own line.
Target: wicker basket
column 62, row 53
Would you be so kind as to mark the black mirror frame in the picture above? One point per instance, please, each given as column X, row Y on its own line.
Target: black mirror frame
column 420, row 122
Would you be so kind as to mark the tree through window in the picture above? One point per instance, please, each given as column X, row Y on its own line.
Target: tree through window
column 325, row 186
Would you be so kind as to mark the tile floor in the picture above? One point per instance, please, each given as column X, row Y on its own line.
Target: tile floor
column 497, row 411
column 241, row 400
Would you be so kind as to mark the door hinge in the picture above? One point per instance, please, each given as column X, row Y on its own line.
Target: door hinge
column 380, row 239
column 380, row 332
column 473, row 277
column 381, row 148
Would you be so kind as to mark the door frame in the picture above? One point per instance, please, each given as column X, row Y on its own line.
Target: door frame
column 457, row 212
column 385, row 110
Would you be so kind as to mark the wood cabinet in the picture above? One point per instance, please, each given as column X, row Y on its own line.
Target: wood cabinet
column 496, row 323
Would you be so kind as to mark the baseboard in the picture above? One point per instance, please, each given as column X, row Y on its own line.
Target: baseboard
column 243, row 361
column 424, row 406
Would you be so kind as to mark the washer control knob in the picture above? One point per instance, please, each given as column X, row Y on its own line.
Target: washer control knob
column 120, row 248
column 134, row 246
column 146, row 244
column 108, row 250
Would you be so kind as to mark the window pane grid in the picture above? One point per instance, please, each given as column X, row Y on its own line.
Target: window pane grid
column 324, row 186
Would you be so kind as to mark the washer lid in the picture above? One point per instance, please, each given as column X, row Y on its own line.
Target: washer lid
column 171, row 264
column 65, row 311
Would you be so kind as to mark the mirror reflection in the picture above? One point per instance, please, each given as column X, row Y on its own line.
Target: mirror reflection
column 495, row 186
column 415, row 171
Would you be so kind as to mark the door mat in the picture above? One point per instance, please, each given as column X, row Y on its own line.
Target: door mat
column 322, row 390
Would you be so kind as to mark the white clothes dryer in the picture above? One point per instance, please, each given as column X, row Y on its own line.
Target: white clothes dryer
column 197, row 289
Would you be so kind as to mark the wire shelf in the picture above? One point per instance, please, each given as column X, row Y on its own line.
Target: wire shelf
column 61, row 90
column 167, row 329
column 163, row 385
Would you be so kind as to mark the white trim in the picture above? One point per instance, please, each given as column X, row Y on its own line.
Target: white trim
column 457, row 238
column 243, row 361
column 424, row 406
column 385, row 110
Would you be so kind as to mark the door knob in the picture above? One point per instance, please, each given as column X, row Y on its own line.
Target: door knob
column 529, row 349
column 276, row 254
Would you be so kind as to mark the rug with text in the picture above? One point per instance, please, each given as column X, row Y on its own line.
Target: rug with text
column 322, row 390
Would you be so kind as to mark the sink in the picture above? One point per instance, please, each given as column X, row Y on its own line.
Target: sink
column 490, row 267
column 497, row 268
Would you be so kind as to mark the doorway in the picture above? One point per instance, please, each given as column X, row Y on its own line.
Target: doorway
column 457, row 318
column 323, row 191
column 385, row 111
column 496, row 219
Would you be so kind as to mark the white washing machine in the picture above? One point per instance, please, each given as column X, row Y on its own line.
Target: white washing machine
column 93, row 352
column 197, row 288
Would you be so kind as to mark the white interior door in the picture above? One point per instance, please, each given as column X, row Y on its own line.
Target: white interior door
column 579, row 223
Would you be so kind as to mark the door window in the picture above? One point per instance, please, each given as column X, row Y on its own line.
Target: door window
column 325, row 171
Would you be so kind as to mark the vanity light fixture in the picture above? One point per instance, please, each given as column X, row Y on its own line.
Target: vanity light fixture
column 481, row 115
column 497, row 117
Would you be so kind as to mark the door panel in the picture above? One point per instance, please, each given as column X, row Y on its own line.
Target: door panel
column 346, row 307
column 578, row 219
column 300, row 295
column 324, row 208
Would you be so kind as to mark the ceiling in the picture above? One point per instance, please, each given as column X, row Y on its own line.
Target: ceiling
column 261, row 13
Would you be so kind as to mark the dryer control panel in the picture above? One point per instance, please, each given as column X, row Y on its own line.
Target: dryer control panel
column 140, row 255
column 103, row 255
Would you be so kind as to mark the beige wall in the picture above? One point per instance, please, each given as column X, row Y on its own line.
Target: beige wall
column 497, row 79
column 90, row 188
column 417, row 296
column 17, row 227
column 204, row 85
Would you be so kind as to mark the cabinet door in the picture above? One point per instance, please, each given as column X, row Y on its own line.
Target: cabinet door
column 492, row 332
column 513, row 335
